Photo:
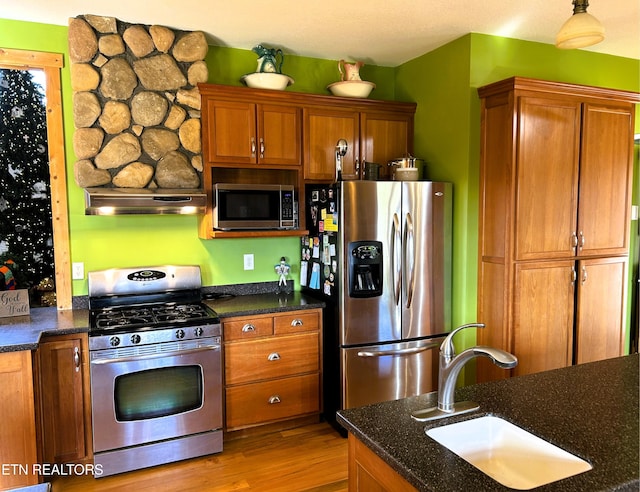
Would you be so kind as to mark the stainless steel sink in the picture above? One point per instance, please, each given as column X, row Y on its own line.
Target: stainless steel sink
column 508, row 454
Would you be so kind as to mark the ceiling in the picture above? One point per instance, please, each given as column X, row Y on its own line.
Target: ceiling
column 379, row 32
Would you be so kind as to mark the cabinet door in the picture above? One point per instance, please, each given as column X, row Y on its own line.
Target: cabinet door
column 279, row 135
column 547, row 178
column 606, row 169
column 543, row 315
column 322, row 130
column 62, row 400
column 230, row 132
column 369, row 473
column 385, row 137
column 18, row 422
column 601, row 308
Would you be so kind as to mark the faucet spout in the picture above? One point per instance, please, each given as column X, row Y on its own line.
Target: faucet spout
column 449, row 371
column 450, row 367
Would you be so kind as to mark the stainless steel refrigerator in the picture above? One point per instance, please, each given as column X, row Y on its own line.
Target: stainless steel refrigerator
column 379, row 253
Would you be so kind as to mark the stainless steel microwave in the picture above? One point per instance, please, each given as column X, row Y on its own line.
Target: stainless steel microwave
column 253, row 206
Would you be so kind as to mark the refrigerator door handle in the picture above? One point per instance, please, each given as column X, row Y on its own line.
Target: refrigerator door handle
column 409, row 246
column 404, row 351
column 396, row 255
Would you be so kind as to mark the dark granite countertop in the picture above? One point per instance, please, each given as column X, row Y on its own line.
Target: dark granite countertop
column 24, row 332
column 246, row 305
column 590, row 410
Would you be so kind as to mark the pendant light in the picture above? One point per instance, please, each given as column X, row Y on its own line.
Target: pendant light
column 581, row 30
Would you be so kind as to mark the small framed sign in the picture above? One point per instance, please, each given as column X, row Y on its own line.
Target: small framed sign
column 14, row 303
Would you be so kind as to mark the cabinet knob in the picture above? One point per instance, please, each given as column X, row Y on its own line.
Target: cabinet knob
column 274, row 399
column 274, row 356
column 297, row 322
column 248, row 328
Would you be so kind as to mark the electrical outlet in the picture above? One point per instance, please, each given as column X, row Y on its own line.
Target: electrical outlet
column 248, row 262
column 78, row 271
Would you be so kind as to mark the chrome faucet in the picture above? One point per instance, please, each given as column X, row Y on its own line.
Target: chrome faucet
column 450, row 366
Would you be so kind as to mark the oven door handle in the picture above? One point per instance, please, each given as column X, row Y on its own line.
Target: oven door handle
column 175, row 353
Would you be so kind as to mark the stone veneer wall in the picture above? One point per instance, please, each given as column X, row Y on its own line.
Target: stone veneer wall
column 136, row 104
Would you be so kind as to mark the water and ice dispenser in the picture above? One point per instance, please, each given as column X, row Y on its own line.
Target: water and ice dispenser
column 365, row 268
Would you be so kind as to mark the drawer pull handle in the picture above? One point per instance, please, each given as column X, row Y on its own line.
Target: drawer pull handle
column 248, row 328
column 274, row 356
column 274, row 399
column 297, row 322
column 76, row 358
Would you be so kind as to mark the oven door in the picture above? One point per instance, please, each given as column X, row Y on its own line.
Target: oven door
column 163, row 391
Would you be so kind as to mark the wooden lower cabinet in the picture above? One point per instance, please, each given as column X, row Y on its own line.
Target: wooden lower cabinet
column 369, row 473
column 18, row 450
column 272, row 368
column 552, row 296
column 64, row 398
column 601, row 309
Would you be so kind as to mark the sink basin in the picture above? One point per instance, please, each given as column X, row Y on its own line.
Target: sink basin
column 508, row 454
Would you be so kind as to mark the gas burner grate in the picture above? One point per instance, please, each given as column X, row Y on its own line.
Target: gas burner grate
column 148, row 316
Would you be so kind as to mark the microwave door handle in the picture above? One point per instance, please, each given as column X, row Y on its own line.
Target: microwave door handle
column 175, row 353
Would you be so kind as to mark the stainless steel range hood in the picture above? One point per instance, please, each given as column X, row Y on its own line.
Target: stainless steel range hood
column 130, row 201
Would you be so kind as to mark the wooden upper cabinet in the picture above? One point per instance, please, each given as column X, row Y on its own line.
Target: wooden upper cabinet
column 573, row 178
column 279, row 135
column 605, row 179
column 323, row 129
column 547, row 178
column 376, row 137
column 248, row 133
column 385, row 137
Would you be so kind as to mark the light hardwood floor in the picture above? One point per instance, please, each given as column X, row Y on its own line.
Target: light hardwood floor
column 312, row 458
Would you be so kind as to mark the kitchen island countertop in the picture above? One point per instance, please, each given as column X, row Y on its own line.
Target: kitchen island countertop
column 590, row 410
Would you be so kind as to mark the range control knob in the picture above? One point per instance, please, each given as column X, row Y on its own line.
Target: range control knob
column 114, row 341
column 135, row 338
column 179, row 334
column 198, row 331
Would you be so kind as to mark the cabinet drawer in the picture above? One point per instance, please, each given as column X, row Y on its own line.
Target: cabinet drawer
column 256, row 403
column 293, row 323
column 271, row 358
column 248, row 328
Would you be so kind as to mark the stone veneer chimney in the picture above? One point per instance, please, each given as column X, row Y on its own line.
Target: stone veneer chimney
column 136, row 104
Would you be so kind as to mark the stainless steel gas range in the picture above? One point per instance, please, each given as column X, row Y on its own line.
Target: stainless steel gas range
column 156, row 368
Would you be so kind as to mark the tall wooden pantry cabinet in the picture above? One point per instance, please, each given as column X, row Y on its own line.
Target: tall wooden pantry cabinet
column 555, row 200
